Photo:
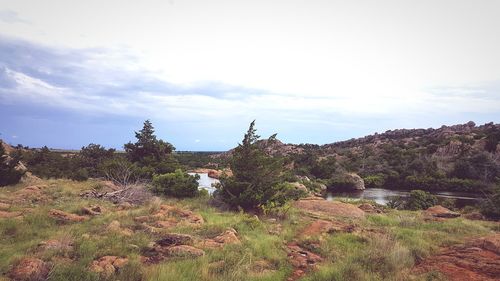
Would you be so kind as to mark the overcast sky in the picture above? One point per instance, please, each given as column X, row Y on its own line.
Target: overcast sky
column 75, row 72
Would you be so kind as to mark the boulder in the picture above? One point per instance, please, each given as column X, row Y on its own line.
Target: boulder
column 439, row 211
column 30, row 269
column 227, row 237
column 65, row 217
column 324, row 208
column 107, row 266
column 184, row 251
column 474, row 216
column 93, row 210
column 299, row 186
column 369, row 208
column 174, row 239
column 351, row 181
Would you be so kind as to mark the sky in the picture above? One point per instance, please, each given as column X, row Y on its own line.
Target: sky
column 80, row 72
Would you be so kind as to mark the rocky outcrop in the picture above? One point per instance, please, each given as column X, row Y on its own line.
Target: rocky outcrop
column 323, row 208
column 319, row 227
column 439, row 211
column 175, row 239
column 477, row 260
column 29, row 269
column 371, row 209
column 227, row 237
column 108, row 265
column 64, row 217
column 302, row 260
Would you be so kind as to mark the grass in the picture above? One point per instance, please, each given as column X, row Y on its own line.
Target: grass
column 389, row 245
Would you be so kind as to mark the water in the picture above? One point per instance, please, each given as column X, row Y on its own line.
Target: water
column 206, row 182
column 383, row 196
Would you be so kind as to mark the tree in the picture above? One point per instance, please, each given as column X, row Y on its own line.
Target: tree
column 10, row 173
column 256, row 176
column 150, row 151
column 420, row 200
column 92, row 156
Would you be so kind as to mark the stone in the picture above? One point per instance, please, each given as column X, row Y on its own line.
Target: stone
column 29, row 269
column 173, row 239
column 8, row 215
column 369, row 208
column 64, row 217
column 59, row 245
column 474, row 216
column 321, row 207
column 184, row 251
column 93, row 210
column 106, row 266
column 439, row 211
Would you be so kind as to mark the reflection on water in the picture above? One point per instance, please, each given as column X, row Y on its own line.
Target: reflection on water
column 206, row 182
column 382, row 196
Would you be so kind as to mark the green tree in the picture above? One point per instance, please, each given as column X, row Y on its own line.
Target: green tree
column 256, row 176
column 9, row 173
column 148, row 151
column 91, row 157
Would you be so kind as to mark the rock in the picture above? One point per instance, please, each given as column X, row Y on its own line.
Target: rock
column 490, row 243
column 302, row 260
column 474, row 216
column 299, row 186
column 174, row 239
column 184, row 251
column 4, row 206
column 30, row 269
column 321, row 207
column 108, row 265
column 114, row 226
column 227, row 237
column 322, row 226
column 59, row 245
column 93, row 210
column 477, row 260
column 8, row 215
column 65, row 217
column 125, row 206
column 351, row 181
column 439, row 211
column 368, row 208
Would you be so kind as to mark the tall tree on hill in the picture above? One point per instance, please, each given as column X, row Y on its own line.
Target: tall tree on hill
column 150, row 152
column 256, row 176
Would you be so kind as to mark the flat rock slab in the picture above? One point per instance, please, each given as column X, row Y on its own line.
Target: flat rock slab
column 321, row 207
column 477, row 260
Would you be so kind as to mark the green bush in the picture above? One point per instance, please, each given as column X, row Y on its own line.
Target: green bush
column 490, row 207
column 420, row 200
column 177, row 184
column 8, row 172
column 374, row 181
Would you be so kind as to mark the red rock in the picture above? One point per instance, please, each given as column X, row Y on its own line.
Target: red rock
column 65, row 217
column 326, row 208
column 439, row 211
column 7, row 215
column 30, row 269
column 184, row 251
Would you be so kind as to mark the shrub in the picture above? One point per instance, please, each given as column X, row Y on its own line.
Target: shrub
column 177, row 184
column 374, row 181
column 420, row 200
column 490, row 207
column 9, row 174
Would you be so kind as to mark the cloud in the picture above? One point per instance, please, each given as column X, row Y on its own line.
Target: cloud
column 108, row 84
column 9, row 16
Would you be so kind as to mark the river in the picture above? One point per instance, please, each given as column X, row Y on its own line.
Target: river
column 205, row 182
column 382, row 196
